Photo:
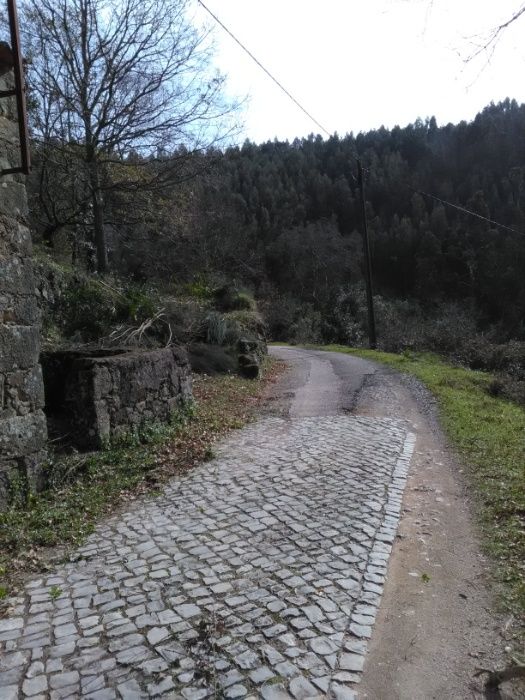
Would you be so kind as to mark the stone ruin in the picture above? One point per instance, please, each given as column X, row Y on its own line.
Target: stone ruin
column 101, row 395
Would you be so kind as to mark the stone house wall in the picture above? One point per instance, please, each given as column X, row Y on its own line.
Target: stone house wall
column 23, row 432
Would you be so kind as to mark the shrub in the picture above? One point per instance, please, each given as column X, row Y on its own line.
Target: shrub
column 229, row 298
column 136, row 305
column 307, row 329
column 510, row 358
column 243, row 301
column 87, row 309
column 199, row 290
column 247, row 323
column 186, row 319
column 280, row 313
column 215, row 328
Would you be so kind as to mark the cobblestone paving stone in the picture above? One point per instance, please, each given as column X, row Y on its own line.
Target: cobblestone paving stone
column 257, row 575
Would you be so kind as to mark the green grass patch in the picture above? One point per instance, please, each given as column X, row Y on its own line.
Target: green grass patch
column 489, row 435
column 85, row 487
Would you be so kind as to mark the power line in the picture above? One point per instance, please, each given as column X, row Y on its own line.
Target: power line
column 466, row 211
column 329, row 134
column 279, row 84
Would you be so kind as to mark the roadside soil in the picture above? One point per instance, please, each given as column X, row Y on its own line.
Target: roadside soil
column 436, row 627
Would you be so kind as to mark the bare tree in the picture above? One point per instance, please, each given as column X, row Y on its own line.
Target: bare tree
column 489, row 42
column 125, row 87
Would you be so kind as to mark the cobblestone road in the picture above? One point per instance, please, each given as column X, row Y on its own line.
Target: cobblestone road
column 257, row 575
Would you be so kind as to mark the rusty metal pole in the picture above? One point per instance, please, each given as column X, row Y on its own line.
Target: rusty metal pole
column 18, row 92
column 368, row 265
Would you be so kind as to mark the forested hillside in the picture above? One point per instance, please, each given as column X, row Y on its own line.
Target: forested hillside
column 283, row 219
column 292, row 212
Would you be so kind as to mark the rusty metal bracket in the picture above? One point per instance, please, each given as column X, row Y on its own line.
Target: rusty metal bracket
column 18, row 92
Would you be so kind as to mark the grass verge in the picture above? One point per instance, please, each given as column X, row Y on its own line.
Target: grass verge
column 85, row 487
column 489, row 434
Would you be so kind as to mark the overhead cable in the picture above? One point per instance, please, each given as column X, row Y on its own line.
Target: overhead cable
column 272, row 77
column 466, row 211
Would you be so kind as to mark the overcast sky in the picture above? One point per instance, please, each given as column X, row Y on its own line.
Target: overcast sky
column 358, row 64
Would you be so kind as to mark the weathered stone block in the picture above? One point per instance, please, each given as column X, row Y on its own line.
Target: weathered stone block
column 19, row 347
column 249, row 366
column 9, row 471
column 249, row 346
column 32, row 468
column 20, row 476
column 15, row 238
column 16, row 275
column 102, row 397
column 19, row 310
column 9, row 146
column 13, row 199
column 8, row 104
column 8, row 129
column 22, row 435
column 21, row 392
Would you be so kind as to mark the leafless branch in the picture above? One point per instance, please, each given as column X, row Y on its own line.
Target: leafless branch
column 489, row 43
column 124, row 95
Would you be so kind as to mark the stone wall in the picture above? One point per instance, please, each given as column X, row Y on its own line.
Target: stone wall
column 22, row 423
column 100, row 396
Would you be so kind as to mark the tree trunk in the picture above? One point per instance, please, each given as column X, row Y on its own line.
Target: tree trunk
column 98, row 219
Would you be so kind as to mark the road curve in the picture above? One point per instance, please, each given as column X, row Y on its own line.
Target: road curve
column 322, row 383
column 257, row 574
column 276, row 569
column 435, row 627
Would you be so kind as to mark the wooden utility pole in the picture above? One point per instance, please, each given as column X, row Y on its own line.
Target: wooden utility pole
column 368, row 265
